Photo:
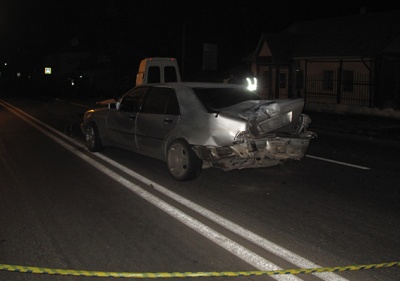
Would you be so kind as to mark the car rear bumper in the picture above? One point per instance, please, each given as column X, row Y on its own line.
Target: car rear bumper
column 257, row 153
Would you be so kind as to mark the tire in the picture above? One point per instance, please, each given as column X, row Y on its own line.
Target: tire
column 183, row 164
column 92, row 138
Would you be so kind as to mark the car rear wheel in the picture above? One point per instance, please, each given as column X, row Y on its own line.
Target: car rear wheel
column 183, row 164
column 92, row 138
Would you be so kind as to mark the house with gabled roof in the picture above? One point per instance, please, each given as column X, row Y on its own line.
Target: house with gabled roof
column 352, row 60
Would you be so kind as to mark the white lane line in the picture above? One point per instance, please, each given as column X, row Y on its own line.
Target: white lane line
column 235, row 228
column 256, row 239
column 238, row 250
column 338, row 162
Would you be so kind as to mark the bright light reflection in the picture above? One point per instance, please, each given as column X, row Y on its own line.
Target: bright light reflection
column 252, row 85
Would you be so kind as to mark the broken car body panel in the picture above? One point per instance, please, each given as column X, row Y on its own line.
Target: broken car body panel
column 277, row 132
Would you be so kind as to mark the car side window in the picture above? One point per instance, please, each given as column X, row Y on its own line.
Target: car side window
column 173, row 106
column 160, row 101
column 131, row 101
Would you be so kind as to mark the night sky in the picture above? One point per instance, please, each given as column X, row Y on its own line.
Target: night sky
column 32, row 29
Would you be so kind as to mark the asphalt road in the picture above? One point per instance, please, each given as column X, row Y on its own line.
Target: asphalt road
column 63, row 207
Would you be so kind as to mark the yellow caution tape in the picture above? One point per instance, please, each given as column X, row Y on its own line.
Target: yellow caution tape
column 87, row 273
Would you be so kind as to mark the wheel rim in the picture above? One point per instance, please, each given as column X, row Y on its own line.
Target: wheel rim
column 178, row 160
column 90, row 137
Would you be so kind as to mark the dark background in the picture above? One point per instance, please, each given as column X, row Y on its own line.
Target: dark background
column 31, row 29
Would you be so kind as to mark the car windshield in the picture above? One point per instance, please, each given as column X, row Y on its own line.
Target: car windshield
column 216, row 98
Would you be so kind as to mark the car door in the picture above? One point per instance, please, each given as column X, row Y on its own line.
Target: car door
column 121, row 122
column 159, row 114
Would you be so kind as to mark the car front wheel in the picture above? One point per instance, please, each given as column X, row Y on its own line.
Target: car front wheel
column 183, row 164
column 92, row 138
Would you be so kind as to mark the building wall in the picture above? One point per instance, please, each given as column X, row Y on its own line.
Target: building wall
column 346, row 81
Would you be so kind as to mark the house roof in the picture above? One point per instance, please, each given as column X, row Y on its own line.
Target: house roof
column 362, row 35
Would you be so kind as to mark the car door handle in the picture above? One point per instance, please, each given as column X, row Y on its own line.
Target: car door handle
column 166, row 120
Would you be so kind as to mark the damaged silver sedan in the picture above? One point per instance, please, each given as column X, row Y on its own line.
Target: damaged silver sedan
column 193, row 126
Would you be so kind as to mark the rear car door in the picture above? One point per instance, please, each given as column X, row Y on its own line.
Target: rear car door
column 159, row 114
column 121, row 122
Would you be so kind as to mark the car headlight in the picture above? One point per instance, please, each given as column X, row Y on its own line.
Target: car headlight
column 251, row 85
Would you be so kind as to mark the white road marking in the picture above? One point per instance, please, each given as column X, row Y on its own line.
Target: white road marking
column 235, row 228
column 338, row 162
column 228, row 244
